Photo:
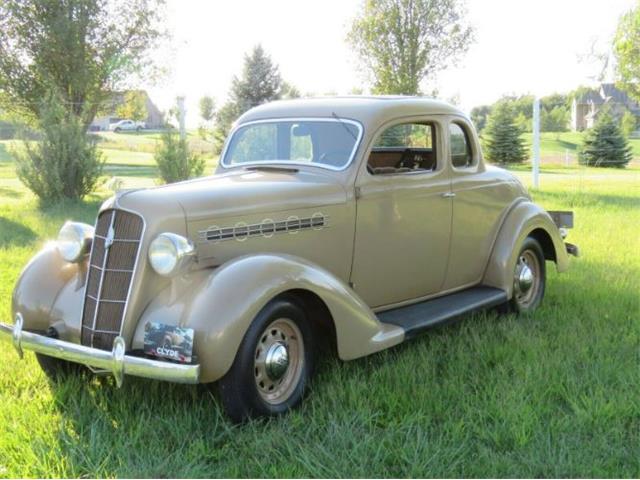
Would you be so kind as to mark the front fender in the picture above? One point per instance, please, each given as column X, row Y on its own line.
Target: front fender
column 42, row 283
column 523, row 219
column 220, row 305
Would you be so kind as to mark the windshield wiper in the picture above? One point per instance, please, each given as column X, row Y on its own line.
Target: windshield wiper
column 333, row 114
column 272, row 168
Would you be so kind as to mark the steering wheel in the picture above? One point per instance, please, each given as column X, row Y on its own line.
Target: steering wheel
column 406, row 161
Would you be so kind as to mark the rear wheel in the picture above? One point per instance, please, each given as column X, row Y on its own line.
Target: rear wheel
column 272, row 366
column 529, row 278
column 57, row 369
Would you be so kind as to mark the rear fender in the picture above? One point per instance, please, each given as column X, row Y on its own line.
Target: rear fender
column 220, row 305
column 525, row 219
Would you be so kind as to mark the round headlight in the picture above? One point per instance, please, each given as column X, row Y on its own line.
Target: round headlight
column 168, row 253
column 74, row 241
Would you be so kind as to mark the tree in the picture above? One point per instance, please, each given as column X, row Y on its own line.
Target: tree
column 63, row 164
column 403, row 42
column 479, row 116
column 82, row 50
column 207, row 108
column 628, row 123
column 174, row 159
column 627, row 52
column 259, row 83
column 554, row 100
column 289, row 91
column 134, row 106
column 502, row 141
column 604, row 145
column 555, row 119
column 77, row 52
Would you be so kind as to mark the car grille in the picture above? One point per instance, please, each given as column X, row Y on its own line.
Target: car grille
column 111, row 267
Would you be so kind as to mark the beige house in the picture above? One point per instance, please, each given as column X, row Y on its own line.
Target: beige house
column 585, row 109
column 154, row 120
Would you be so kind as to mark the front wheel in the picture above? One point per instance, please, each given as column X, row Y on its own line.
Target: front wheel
column 272, row 366
column 529, row 278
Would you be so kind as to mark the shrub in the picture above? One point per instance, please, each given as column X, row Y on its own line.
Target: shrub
column 502, row 141
column 604, row 145
column 64, row 163
column 175, row 161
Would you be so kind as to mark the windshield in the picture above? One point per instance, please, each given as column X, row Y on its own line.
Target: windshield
column 327, row 143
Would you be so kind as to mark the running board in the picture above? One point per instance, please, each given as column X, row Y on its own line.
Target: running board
column 421, row 316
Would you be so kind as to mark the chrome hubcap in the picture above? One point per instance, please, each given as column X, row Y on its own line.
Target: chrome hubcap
column 279, row 361
column 526, row 278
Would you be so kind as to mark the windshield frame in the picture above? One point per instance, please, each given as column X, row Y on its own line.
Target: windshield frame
column 356, row 145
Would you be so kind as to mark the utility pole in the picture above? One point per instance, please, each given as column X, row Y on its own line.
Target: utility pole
column 536, row 142
column 181, row 115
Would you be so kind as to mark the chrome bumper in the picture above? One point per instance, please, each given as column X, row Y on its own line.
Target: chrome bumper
column 114, row 361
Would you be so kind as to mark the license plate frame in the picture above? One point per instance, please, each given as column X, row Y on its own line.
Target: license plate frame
column 168, row 341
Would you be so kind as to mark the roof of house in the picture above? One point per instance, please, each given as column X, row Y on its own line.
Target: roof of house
column 608, row 93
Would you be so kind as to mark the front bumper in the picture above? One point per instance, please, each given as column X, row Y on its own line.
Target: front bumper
column 114, row 361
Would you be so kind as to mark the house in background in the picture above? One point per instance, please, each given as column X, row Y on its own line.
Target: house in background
column 154, row 120
column 585, row 109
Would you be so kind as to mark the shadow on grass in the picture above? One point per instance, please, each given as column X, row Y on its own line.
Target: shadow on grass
column 15, row 234
column 130, row 170
column 5, row 155
column 10, row 192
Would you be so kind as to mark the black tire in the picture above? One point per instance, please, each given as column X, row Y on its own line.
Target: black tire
column 239, row 391
column 117, row 130
column 57, row 369
column 530, row 301
column 138, row 129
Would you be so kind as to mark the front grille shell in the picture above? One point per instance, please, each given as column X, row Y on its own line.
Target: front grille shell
column 112, row 265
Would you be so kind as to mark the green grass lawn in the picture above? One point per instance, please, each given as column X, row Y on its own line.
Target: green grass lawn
column 551, row 395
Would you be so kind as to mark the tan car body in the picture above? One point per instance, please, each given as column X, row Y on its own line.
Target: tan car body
column 384, row 241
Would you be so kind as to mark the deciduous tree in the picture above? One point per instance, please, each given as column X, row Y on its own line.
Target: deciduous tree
column 134, row 106
column 627, row 52
column 403, row 42
column 75, row 53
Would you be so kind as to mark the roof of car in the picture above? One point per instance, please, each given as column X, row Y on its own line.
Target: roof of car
column 365, row 109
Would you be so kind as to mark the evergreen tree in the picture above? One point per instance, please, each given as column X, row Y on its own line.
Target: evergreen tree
column 259, row 83
column 604, row 145
column 502, row 141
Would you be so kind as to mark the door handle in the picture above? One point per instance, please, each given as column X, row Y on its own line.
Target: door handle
column 448, row 195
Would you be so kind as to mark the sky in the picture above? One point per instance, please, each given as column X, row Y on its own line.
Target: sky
column 521, row 46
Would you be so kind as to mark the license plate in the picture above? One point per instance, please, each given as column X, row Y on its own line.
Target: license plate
column 168, row 341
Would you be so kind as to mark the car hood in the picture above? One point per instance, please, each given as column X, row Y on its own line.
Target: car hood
column 238, row 193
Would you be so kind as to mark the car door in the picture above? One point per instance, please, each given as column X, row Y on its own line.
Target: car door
column 403, row 215
column 478, row 206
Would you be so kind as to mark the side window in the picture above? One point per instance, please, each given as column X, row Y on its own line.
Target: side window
column 404, row 148
column 461, row 154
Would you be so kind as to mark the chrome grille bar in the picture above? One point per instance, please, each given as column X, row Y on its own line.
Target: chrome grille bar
column 112, row 266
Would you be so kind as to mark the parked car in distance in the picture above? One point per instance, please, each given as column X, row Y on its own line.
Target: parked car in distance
column 353, row 222
column 127, row 126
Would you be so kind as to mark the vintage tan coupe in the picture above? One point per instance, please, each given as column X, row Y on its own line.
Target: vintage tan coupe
column 361, row 221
